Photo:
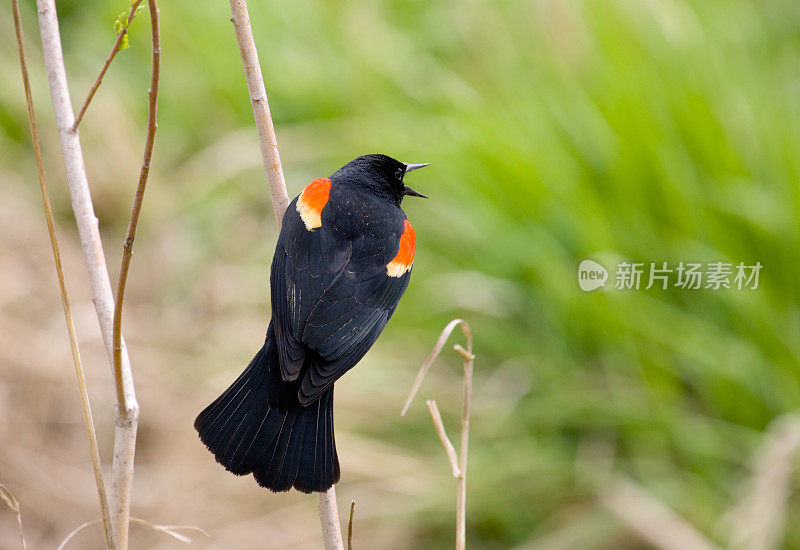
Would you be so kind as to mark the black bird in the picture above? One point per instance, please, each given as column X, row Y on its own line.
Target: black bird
column 342, row 262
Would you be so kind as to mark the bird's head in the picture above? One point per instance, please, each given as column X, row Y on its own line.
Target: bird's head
column 381, row 174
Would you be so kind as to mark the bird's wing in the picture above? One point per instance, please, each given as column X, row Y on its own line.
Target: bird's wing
column 332, row 294
column 351, row 314
column 305, row 263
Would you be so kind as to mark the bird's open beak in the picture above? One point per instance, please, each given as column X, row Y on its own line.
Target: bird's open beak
column 410, row 167
column 408, row 190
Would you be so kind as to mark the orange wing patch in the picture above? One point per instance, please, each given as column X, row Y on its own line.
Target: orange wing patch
column 405, row 255
column 312, row 200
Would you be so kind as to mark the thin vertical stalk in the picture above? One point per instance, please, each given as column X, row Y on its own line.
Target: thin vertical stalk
column 258, row 99
column 461, row 499
column 457, row 463
column 328, row 512
column 127, row 409
column 329, row 520
column 51, row 230
column 127, row 447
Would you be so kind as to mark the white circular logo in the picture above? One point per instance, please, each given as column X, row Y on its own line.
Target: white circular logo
column 591, row 275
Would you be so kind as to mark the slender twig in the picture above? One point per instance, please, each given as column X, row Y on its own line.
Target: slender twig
column 258, row 98
column 126, row 414
column 114, row 50
column 73, row 340
column 133, row 222
column 328, row 512
column 350, row 525
column 128, row 448
column 12, row 502
column 457, row 463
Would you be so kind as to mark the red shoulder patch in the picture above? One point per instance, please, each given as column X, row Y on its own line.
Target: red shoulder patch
column 405, row 255
column 312, row 200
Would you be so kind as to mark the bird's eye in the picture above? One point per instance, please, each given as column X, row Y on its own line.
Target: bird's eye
column 400, row 173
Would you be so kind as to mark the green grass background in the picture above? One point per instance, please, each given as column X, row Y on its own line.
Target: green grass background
column 617, row 130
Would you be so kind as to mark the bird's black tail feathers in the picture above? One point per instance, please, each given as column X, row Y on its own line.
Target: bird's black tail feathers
column 257, row 426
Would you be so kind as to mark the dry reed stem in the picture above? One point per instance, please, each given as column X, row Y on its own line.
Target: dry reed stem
column 649, row 518
column 270, row 155
column 114, row 50
column 457, row 463
column 757, row 521
column 125, row 418
column 469, row 358
column 12, row 502
column 436, row 416
column 170, row 530
column 73, row 340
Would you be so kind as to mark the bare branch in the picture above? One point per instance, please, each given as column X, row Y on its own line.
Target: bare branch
column 127, row 409
column 258, row 99
column 73, row 340
column 127, row 413
column 124, row 479
column 114, row 50
column 76, row 175
column 127, row 246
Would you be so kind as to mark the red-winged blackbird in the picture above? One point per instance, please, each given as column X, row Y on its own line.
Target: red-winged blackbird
column 342, row 262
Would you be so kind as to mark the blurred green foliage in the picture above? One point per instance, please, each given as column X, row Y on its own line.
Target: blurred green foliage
column 618, row 130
